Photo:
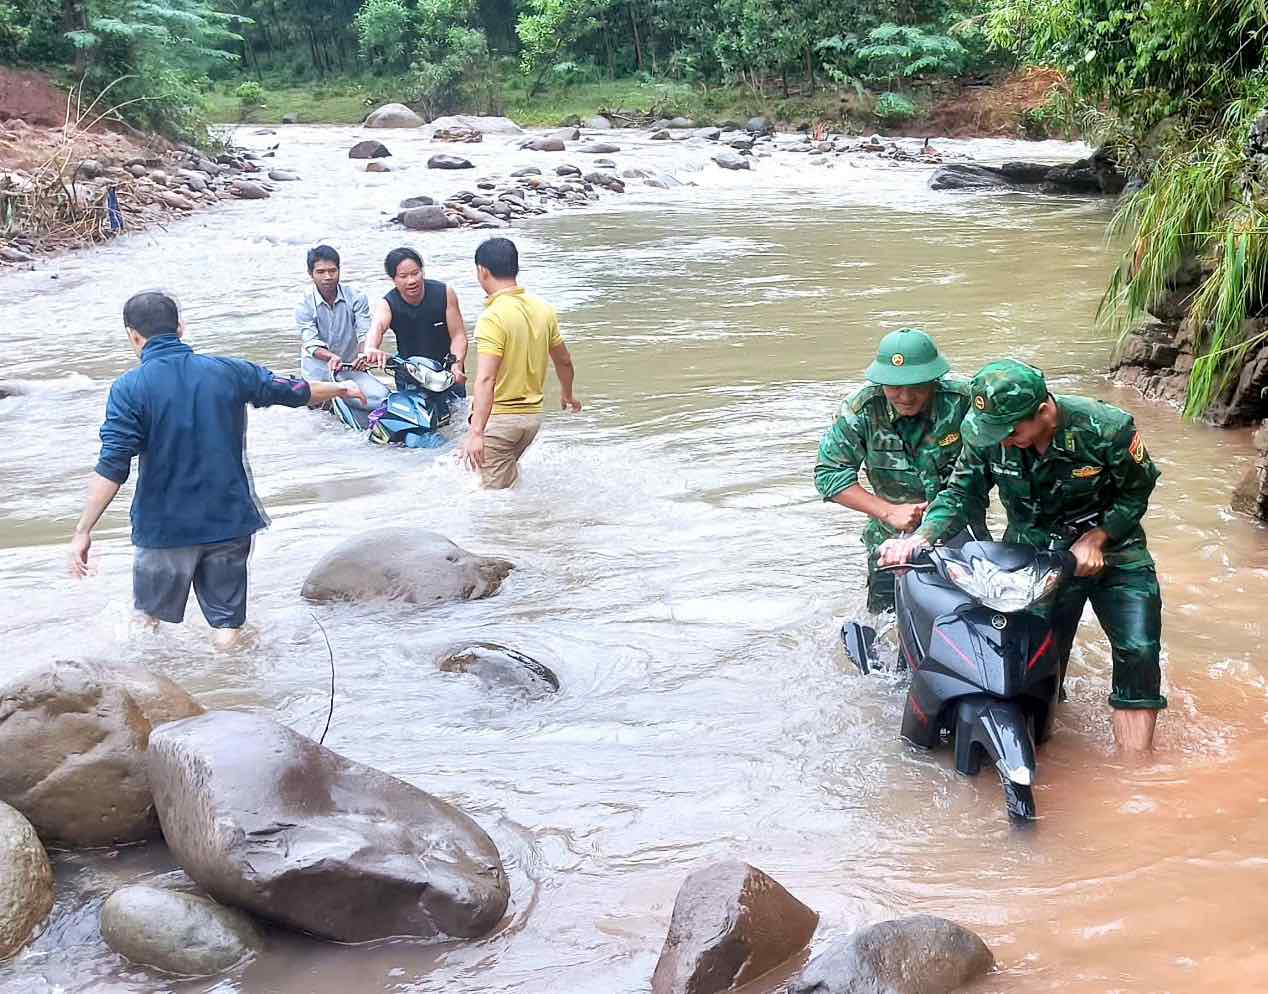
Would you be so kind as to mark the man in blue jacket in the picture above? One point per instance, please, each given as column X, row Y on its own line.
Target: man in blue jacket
column 194, row 512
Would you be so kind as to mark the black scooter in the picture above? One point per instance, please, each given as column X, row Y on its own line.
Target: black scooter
column 975, row 633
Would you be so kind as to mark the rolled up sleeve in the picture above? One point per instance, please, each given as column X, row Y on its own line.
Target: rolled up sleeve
column 1135, row 476
column 964, row 499
column 122, row 436
column 840, row 457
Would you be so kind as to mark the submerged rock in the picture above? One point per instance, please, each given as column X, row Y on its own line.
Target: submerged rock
column 419, row 567
column 731, row 924
column 73, row 737
column 267, row 820
column 248, row 191
column 282, row 176
column 567, row 170
column 420, row 201
column 599, row 123
column 545, row 145
column 598, row 148
column 426, row 218
column 917, row 955
column 732, row 160
column 449, row 162
column 368, row 149
column 501, row 668
column 393, row 116
column 177, row 932
column 378, row 167
column 26, row 882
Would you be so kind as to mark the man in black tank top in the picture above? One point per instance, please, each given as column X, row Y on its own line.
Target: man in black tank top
column 423, row 314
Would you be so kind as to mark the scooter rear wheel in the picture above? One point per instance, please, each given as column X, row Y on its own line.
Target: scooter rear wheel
column 1019, row 799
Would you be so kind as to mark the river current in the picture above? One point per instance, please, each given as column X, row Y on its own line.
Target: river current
column 676, row 569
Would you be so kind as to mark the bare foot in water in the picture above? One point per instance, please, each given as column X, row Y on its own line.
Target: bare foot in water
column 235, row 639
column 1134, row 732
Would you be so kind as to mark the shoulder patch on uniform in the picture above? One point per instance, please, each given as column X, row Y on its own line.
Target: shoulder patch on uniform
column 1137, row 448
column 1083, row 472
column 861, row 399
column 950, row 439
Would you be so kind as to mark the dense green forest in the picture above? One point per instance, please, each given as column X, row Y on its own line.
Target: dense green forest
column 1182, row 82
column 1173, row 86
column 164, row 56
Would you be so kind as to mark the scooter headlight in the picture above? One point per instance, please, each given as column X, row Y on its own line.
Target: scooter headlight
column 1001, row 589
column 435, row 380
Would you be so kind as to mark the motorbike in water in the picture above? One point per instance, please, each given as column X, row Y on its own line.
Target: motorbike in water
column 414, row 412
column 974, row 631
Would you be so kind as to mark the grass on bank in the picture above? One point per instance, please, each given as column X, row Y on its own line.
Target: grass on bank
column 347, row 101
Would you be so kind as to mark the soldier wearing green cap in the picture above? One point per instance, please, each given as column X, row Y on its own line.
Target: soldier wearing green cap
column 904, row 427
column 1073, row 471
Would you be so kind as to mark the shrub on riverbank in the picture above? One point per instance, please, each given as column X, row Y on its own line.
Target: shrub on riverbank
column 1186, row 82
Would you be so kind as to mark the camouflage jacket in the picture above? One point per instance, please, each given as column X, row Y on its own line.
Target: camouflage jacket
column 907, row 459
column 1096, row 465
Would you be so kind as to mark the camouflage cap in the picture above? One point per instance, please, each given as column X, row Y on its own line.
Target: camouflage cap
column 1005, row 393
column 906, row 358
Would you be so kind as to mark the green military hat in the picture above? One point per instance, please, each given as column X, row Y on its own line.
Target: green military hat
column 1004, row 393
column 906, row 358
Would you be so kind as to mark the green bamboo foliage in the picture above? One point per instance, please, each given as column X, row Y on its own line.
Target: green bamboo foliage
column 1192, row 206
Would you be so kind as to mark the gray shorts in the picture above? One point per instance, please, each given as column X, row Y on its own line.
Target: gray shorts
column 161, row 579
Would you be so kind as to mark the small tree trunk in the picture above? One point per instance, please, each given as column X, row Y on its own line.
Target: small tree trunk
column 810, row 68
column 638, row 45
column 783, row 75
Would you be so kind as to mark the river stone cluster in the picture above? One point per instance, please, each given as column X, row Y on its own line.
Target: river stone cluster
column 268, row 824
column 732, row 925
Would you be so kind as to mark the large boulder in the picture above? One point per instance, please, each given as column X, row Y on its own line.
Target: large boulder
column 419, row 567
column 564, row 134
column 426, row 218
column 26, row 882
column 731, row 924
column 758, row 125
column 368, row 149
column 249, row 191
column 449, row 162
column 73, row 737
column 732, row 160
column 680, row 123
column 484, row 125
column 393, row 116
column 177, row 932
column 501, row 668
column 545, row 144
column 267, row 820
column 966, row 176
column 917, row 955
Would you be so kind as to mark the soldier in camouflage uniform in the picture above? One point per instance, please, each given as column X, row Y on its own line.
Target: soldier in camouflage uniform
column 904, row 426
column 1075, row 472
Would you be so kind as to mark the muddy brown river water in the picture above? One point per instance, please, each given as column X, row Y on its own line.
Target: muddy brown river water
column 678, row 572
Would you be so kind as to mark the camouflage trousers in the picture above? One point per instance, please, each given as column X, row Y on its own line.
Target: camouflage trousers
column 1128, row 604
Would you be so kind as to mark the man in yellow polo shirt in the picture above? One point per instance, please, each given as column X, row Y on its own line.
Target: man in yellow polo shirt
column 514, row 336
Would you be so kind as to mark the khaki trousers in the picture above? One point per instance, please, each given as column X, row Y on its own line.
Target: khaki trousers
column 506, row 438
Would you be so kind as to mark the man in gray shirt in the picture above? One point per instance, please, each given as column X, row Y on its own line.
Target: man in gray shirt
column 332, row 320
